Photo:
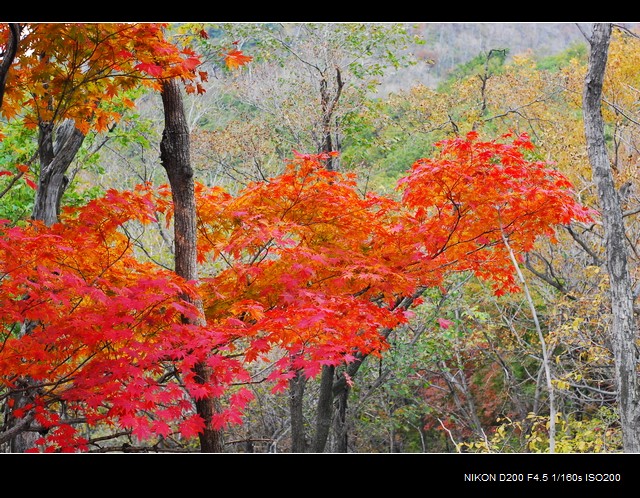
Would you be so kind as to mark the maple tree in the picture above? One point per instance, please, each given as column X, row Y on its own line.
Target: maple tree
column 475, row 193
column 69, row 70
column 519, row 95
column 527, row 198
column 65, row 79
column 569, row 274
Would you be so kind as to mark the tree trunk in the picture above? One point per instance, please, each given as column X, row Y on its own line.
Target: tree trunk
column 55, row 159
column 25, row 437
column 623, row 328
column 324, row 412
column 329, row 104
column 340, row 424
column 175, row 155
column 296, row 399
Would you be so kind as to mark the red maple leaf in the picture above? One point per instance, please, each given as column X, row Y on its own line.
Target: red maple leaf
column 444, row 323
column 192, row 426
column 151, row 69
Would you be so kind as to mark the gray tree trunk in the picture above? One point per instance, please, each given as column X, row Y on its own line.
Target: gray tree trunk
column 296, row 410
column 25, row 437
column 175, row 154
column 324, row 411
column 623, row 328
column 329, row 103
column 341, row 423
column 55, row 159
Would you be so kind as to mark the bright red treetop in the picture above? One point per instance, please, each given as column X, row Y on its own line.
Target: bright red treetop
column 464, row 200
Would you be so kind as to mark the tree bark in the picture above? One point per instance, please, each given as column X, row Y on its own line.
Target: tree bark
column 296, row 405
column 55, row 159
column 623, row 328
column 340, row 423
column 175, row 154
column 25, row 437
column 324, row 412
column 329, row 104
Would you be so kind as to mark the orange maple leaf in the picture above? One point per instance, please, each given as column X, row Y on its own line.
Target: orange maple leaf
column 235, row 58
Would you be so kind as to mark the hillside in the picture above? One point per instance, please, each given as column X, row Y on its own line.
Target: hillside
column 449, row 44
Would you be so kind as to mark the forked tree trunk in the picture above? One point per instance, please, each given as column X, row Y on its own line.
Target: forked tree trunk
column 328, row 103
column 55, row 159
column 175, row 155
column 623, row 329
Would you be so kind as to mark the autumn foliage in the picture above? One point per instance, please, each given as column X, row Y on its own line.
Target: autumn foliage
column 69, row 70
column 465, row 200
column 298, row 272
column 106, row 336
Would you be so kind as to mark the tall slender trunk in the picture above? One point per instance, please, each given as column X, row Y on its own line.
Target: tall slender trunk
column 546, row 360
column 623, row 328
column 175, row 155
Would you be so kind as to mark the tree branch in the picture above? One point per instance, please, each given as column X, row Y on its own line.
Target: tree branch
column 8, row 56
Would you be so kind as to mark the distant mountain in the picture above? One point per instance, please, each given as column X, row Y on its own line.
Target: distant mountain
column 450, row 44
